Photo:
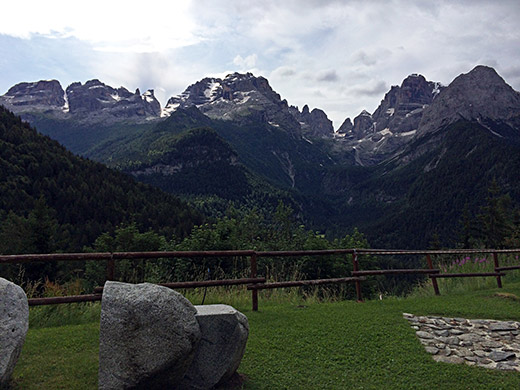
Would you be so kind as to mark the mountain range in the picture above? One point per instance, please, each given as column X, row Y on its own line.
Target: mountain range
column 400, row 174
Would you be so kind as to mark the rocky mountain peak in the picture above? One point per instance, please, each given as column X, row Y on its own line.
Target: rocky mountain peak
column 97, row 98
column 345, row 128
column 363, row 125
column 90, row 102
column 313, row 123
column 478, row 95
column 243, row 97
column 234, row 88
column 44, row 93
column 377, row 136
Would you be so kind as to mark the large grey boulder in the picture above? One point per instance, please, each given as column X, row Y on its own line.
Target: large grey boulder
column 224, row 337
column 14, row 322
column 148, row 337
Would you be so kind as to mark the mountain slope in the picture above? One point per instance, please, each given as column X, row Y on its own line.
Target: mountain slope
column 405, row 205
column 269, row 152
column 86, row 198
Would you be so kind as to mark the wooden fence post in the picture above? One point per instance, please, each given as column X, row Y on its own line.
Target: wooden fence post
column 111, row 267
column 499, row 278
column 254, row 292
column 434, row 279
column 355, row 265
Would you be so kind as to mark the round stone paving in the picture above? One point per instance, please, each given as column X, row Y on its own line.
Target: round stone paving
column 485, row 343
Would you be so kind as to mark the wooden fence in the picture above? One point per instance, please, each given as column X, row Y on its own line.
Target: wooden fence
column 254, row 282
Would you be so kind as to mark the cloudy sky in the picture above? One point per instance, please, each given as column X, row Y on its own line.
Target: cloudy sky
column 340, row 56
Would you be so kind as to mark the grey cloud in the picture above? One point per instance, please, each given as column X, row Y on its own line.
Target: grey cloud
column 364, row 58
column 371, row 90
column 287, row 72
column 329, row 76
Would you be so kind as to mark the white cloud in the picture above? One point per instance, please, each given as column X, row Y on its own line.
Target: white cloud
column 245, row 63
column 113, row 25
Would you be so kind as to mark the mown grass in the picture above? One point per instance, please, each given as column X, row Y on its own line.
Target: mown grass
column 297, row 344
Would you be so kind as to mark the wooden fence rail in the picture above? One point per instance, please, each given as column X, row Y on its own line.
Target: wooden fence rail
column 255, row 283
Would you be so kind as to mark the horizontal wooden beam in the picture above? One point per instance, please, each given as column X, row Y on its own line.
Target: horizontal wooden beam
column 67, row 299
column 395, row 271
column 204, row 283
column 467, row 275
column 6, row 259
column 508, row 268
column 298, row 283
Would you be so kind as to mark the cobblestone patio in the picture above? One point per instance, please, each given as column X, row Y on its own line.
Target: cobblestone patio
column 485, row 343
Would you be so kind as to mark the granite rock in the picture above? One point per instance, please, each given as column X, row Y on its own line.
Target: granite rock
column 224, row 336
column 148, row 337
column 14, row 322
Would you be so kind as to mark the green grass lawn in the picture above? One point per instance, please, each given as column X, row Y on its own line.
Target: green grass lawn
column 339, row 345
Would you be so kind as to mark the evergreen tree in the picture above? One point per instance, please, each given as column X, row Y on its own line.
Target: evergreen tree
column 42, row 228
column 494, row 220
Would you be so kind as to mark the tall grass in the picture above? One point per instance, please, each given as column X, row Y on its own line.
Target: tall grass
column 59, row 315
column 239, row 296
column 476, row 263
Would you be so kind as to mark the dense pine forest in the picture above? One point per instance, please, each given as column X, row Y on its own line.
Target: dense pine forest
column 47, row 191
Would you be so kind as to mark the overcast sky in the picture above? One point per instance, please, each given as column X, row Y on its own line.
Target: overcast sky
column 340, row 56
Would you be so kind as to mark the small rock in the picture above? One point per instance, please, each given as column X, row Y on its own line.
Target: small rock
column 432, row 350
column 491, row 344
column 453, row 340
column 501, row 326
column 499, row 356
column 449, row 359
column 463, row 352
column 467, row 337
column 424, row 335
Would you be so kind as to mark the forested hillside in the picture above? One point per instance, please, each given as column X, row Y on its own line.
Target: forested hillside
column 469, row 173
column 52, row 200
